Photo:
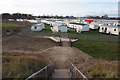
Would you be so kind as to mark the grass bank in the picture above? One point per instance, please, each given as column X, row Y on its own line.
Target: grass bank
column 103, row 70
column 20, row 66
column 97, row 49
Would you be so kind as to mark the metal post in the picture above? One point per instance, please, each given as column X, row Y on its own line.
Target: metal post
column 54, row 66
column 46, row 76
column 75, row 74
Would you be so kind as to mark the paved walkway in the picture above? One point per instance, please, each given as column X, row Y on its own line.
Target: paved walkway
column 61, row 73
column 57, row 39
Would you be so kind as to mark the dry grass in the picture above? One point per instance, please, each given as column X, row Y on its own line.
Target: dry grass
column 103, row 70
column 20, row 66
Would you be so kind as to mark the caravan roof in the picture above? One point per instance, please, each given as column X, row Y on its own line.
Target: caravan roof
column 77, row 23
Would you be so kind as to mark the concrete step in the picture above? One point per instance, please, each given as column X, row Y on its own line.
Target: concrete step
column 61, row 73
column 66, row 44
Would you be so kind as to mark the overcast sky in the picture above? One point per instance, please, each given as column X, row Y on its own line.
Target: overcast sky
column 61, row 7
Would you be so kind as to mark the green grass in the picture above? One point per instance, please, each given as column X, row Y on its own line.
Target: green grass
column 20, row 66
column 97, row 49
column 5, row 24
column 47, row 27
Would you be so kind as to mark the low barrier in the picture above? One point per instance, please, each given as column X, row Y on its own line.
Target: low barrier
column 47, row 72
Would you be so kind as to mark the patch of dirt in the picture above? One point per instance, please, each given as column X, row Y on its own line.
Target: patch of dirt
column 19, row 44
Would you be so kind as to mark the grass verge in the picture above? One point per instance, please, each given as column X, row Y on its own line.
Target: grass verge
column 20, row 66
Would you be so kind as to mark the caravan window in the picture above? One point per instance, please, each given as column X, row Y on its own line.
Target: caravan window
column 102, row 28
column 35, row 27
column 114, row 29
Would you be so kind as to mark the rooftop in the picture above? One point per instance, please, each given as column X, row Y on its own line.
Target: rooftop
column 78, row 23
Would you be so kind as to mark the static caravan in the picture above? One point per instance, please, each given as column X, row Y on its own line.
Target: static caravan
column 60, row 21
column 32, row 21
column 93, row 25
column 78, row 27
column 38, row 27
column 44, row 21
column 110, row 29
column 59, row 27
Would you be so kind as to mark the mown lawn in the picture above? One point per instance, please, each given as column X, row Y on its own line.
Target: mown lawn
column 98, row 49
column 20, row 66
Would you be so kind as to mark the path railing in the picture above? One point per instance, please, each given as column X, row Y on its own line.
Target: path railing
column 46, row 71
column 74, row 73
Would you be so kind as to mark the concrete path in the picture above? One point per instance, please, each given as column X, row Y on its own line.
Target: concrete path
column 57, row 39
column 61, row 73
column 66, row 44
